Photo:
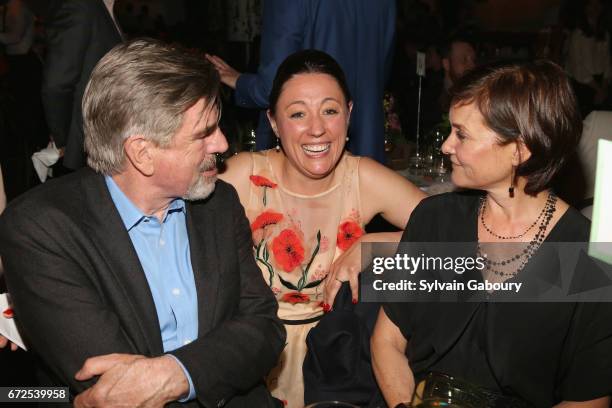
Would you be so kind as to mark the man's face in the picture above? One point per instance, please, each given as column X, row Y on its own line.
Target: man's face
column 461, row 59
column 187, row 167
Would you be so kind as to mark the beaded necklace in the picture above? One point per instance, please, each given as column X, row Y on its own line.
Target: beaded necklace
column 483, row 208
column 523, row 256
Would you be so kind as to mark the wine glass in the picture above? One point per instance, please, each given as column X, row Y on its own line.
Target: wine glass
column 442, row 390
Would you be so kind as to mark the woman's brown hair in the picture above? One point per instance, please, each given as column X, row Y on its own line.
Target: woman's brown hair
column 532, row 103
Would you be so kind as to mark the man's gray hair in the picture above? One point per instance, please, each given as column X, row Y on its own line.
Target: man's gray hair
column 142, row 87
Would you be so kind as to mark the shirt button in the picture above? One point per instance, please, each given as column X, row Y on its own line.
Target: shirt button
column 162, row 242
column 176, row 291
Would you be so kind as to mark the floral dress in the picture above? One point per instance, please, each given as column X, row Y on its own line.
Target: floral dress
column 296, row 238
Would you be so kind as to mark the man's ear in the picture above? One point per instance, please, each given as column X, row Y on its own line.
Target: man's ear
column 446, row 64
column 139, row 152
column 272, row 122
column 521, row 153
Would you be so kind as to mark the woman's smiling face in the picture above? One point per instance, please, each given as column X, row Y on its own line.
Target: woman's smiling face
column 311, row 119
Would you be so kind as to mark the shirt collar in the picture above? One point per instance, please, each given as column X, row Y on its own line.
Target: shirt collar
column 129, row 213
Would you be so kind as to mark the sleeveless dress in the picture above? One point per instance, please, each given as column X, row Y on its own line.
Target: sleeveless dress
column 296, row 238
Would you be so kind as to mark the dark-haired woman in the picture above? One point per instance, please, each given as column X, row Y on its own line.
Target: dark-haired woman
column 513, row 126
column 308, row 201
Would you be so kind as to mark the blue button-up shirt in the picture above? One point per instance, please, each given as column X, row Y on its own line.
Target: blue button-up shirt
column 163, row 251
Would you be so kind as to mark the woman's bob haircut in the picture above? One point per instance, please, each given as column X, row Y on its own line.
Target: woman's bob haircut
column 530, row 103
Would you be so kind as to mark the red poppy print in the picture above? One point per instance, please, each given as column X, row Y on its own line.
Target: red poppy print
column 266, row 218
column 348, row 233
column 261, row 181
column 288, row 250
column 8, row 313
column 295, row 297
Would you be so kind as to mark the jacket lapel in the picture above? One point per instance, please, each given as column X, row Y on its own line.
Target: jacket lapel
column 109, row 19
column 206, row 264
column 107, row 232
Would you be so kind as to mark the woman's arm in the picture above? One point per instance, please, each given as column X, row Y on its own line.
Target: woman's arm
column 381, row 191
column 596, row 403
column 389, row 362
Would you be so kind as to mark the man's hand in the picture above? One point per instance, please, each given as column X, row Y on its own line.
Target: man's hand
column 131, row 381
column 228, row 75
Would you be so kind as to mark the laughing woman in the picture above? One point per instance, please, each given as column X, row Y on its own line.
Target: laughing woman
column 308, row 201
column 513, row 127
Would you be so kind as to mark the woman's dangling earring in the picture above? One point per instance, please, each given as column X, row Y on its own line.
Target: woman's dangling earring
column 277, row 144
column 511, row 188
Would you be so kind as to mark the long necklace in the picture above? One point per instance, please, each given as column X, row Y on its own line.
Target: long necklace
column 483, row 208
column 522, row 257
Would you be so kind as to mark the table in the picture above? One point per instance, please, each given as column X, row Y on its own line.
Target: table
column 428, row 182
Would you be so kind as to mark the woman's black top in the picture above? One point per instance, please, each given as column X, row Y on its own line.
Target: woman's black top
column 543, row 353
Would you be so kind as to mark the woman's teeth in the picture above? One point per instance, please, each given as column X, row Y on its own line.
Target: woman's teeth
column 316, row 148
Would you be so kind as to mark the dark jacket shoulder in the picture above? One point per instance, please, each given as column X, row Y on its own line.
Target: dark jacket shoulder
column 64, row 194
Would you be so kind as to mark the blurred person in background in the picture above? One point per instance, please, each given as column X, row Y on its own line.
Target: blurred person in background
column 588, row 56
column 23, row 81
column 80, row 32
column 447, row 60
column 458, row 57
column 357, row 33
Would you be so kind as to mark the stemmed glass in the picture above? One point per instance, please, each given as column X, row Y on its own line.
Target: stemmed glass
column 442, row 390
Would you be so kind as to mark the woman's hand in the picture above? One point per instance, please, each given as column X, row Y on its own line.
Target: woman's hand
column 346, row 268
column 349, row 265
column 8, row 314
column 5, row 342
column 228, row 75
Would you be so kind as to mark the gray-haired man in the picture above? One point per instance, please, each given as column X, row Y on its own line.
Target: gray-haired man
column 152, row 286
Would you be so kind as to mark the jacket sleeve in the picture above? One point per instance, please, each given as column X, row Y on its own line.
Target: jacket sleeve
column 236, row 355
column 58, row 307
column 67, row 40
column 282, row 34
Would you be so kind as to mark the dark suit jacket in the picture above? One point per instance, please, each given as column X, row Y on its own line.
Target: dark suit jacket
column 80, row 291
column 79, row 34
column 357, row 33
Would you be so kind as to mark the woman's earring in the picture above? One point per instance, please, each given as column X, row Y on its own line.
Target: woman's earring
column 511, row 188
column 277, row 144
column 347, row 139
